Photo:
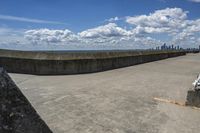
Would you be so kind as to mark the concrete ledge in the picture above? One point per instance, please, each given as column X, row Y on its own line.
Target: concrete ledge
column 193, row 98
column 16, row 113
column 57, row 63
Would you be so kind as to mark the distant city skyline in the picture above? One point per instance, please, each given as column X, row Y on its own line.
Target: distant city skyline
column 99, row 24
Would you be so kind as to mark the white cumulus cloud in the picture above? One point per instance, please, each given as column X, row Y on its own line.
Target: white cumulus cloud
column 188, row 33
column 113, row 19
column 50, row 36
column 166, row 20
column 109, row 30
column 106, row 33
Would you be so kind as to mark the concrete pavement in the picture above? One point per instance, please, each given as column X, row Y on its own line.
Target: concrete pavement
column 117, row 101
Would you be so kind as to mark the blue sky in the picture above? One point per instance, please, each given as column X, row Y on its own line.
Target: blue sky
column 19, row 16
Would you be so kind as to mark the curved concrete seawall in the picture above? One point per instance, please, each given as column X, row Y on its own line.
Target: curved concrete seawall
column 54, row 63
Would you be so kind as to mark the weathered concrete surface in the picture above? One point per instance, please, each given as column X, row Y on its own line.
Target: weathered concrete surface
column 59, row 63
column 16, row 113
column 80, row 55
column 117, row 101
column 193, row 98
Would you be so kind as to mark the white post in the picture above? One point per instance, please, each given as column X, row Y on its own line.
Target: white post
column 196, row 83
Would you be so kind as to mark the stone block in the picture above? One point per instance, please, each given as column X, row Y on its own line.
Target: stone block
column 193, row 98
